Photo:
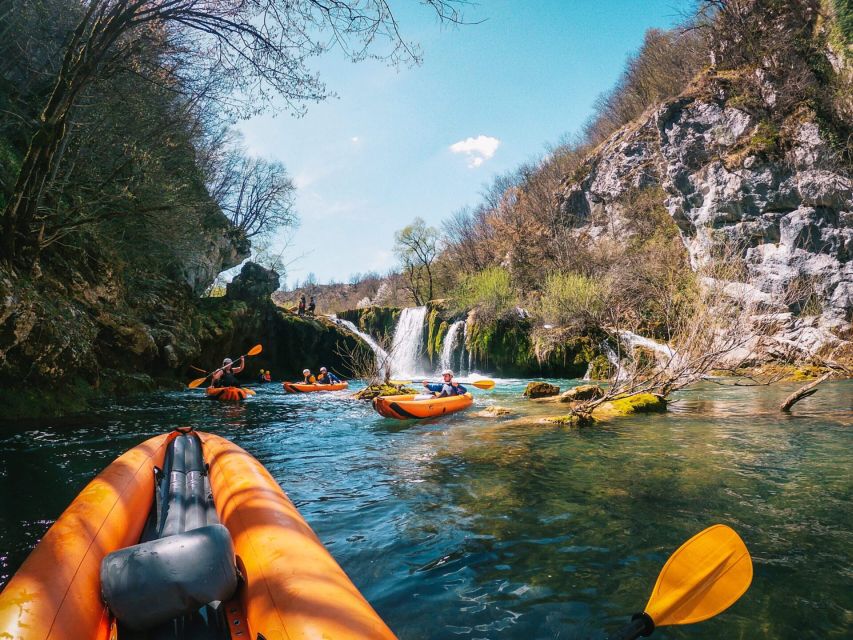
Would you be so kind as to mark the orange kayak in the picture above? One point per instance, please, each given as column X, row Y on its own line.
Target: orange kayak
column 151, row 556
column 229, row 394
column 298, row 387
column 406, row 407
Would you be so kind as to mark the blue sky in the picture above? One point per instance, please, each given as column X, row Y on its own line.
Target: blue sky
column 382, row 152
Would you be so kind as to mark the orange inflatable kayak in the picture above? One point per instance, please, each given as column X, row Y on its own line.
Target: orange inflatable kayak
column 406, row 407
column 154, row 544
column 298, row 387
column 229, row 394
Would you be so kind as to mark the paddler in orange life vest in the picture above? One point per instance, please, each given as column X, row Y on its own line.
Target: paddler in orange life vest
column 226, row 376
column 447, row 388
column 307, row 378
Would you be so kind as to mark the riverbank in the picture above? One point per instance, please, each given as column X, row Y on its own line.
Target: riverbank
column 504, row 527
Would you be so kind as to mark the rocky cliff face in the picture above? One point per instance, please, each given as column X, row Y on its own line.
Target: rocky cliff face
column 778, row 198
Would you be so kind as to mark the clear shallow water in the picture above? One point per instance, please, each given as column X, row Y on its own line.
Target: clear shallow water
column 477, row 527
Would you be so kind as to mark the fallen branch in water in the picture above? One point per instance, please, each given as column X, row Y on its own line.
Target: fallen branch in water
column 802, row 392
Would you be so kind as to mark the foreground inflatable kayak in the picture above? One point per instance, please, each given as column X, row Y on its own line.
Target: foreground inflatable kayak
column 152, row 548
column 298, row 387
column 229, row 394
column 406, row 407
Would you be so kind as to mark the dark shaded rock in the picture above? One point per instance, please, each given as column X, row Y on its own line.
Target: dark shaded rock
column 540, row 390
column 254, row 283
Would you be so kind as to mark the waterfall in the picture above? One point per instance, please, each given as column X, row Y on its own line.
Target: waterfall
column 408, row 342
column 379, row 352
column 662, row 351
column 465, row 348
column 450, row 340
column 614, row 360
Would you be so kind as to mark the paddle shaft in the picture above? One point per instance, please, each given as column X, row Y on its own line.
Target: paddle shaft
column 641, row 625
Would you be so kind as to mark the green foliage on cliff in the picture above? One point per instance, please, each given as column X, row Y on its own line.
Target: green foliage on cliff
column 379, row 322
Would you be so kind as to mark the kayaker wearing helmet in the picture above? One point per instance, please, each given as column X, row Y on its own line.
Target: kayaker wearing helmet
column 326, row 377
column 307, row 378
column 226, row 376
column 447, row 388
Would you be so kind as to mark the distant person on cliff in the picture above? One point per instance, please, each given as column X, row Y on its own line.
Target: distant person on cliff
column 301, row 309
column 227, row 375
column 311, row 306
column 261, row 376
column 326, row 377
column 307, row 378
column 447, row 388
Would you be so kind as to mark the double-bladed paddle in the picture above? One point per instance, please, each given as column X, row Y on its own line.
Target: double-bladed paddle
column 199, row 381
column 485, row 383
column 705, row 576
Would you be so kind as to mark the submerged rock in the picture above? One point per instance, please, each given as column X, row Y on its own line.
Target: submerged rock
column 572, row 420
column 493, row 412
column 540, row 390
column 583, row 392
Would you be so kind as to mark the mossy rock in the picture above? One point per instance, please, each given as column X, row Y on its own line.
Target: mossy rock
column 583, row 392
column 572, row 420
column 376, row 390
column 629, row 405
column 540, row 390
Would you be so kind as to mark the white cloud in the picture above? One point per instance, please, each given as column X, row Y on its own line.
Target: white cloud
column 477, row 150
column 354, row 139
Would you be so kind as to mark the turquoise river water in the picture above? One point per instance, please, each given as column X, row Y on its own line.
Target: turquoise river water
column 477, row 527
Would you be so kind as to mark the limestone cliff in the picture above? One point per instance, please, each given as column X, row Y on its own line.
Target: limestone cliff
column 779, row 196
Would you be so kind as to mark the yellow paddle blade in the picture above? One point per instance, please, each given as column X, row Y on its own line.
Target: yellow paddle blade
column 250, row 392
column 197, row 382
column 255, row 350
column 483, row 384
column 705, row 576
column 399, row 382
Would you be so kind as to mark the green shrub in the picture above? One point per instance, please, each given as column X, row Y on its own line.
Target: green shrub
column 489, row 290
column 572, row 299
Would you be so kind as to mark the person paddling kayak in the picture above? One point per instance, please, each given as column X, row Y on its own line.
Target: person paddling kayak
column 326, row 377
column 226, row 376
column 447, row 388
column 307, row 378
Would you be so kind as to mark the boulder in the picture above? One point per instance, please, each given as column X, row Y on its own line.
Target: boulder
column 583, row 392
column 376, row 390
column 628, row 405
column 254, row 283
column 540, row 390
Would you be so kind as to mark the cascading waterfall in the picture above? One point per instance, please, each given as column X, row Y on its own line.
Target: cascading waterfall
column 465, row 348
column 449, row 346
column 613, row 357
column 662, row 351
column 408, row 342
column 379, row 352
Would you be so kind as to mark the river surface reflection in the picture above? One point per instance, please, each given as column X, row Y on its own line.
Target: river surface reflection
column 505, row 528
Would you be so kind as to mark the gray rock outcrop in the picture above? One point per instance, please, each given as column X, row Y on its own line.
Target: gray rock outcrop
column 727, row 182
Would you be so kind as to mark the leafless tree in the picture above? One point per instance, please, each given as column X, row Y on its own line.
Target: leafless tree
column 417, row 247
column 255, row 194
column 237, row 52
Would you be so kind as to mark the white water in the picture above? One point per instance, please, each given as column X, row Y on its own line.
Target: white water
column 449, row 346
column 634, row 340
column 379, row 352
column 407, row 344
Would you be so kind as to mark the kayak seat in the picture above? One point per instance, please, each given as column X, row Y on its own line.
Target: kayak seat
column 153, row 582
column 171, row 583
